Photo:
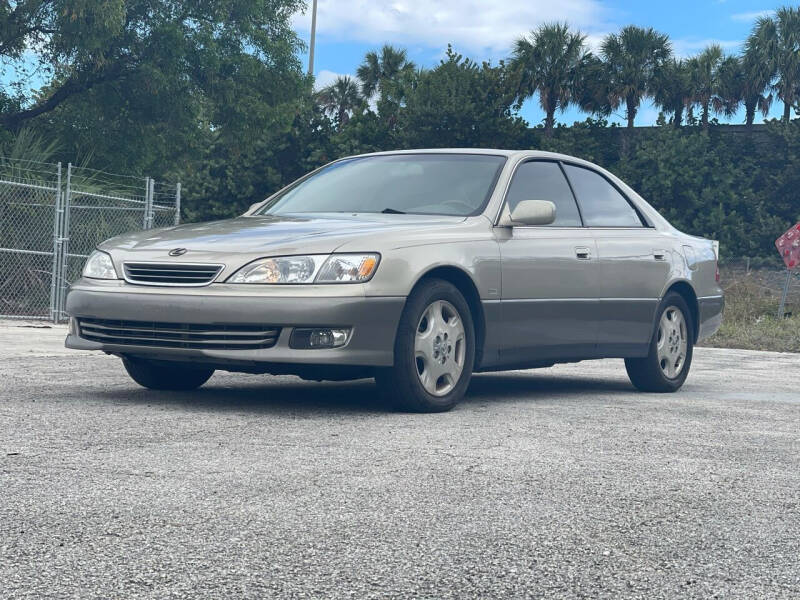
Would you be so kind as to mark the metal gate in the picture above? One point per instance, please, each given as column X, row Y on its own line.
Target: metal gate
column 51, row 220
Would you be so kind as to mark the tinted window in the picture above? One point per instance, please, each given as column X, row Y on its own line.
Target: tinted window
column 444, row 184
column 544, row 181
column 601, row 204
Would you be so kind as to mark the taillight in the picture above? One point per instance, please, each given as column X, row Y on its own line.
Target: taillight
column 716, row 272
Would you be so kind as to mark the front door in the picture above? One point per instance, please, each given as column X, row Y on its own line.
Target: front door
column 549, row 274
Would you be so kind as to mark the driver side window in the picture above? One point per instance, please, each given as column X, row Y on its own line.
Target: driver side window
column 544, row 180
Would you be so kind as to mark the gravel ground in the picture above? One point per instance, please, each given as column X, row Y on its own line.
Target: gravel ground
column 563, row 482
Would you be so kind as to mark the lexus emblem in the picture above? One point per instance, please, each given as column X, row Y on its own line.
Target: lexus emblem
column 178, row 252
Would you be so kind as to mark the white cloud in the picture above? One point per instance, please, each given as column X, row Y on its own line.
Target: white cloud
column 688, row 47
column 325, row 78
column 750, row 17
column 471, row 25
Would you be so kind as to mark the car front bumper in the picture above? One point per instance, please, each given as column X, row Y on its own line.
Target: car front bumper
column 372, row 320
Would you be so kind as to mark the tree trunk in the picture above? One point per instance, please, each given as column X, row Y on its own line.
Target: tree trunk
column 704, row 118
column 678, row 121
column 549, row 123
column 631, row 109
column 787, row 111
column 749, row 114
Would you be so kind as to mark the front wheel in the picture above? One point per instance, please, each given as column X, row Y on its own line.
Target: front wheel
column 434, row 350
column 166, row 376
column 666, row 366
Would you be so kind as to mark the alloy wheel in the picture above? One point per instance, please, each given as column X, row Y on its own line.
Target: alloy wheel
column 672, row 343
column 440, row 348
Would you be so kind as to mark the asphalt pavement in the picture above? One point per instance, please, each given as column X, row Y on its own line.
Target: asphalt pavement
column 561, row 482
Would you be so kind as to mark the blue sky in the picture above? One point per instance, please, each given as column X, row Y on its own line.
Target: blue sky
column 485, row 30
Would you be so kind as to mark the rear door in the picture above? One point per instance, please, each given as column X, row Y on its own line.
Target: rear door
column 549, row 274
column 633, row 261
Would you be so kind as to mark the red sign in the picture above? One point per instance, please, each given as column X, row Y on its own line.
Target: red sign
column 789, row 247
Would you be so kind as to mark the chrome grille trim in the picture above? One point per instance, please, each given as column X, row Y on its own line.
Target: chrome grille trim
column 179, row 335
column 170, row 274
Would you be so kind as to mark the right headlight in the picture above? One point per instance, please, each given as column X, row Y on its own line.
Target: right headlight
column 314, row 268
column 348, row 268
column 99, row 266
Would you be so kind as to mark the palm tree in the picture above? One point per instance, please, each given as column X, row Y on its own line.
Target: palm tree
column 757, row 73
column 592, row 88
column 777, row 39
column 705, row 77
column 672, row 88
column 340, row 99
column 730, row 89
column 632, row 57
column 548, row 63
column 385, row 74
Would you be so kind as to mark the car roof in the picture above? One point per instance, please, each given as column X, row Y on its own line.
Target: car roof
column 486, row 151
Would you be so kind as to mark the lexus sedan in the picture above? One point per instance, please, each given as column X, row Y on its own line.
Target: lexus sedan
column 417, row 268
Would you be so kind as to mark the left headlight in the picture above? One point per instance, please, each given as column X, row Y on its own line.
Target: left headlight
column 314, row 268
column 99, row 266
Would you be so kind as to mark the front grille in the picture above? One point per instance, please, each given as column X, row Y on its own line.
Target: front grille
column 179, row 335
column 183, row 274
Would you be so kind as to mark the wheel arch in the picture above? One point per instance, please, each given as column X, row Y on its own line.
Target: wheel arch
column 686, row 291
column 463, row 281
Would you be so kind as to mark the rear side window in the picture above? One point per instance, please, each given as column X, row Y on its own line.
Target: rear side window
column 539, row 180
column 602, row 205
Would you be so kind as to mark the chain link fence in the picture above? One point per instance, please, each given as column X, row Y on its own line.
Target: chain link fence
column 52, row 217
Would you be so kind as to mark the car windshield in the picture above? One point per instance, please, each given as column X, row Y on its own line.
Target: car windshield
column 436, row 184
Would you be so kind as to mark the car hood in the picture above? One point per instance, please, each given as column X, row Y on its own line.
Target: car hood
column 268, row 234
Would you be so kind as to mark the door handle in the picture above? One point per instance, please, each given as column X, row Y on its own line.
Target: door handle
column 583, row 253
column 660, row 254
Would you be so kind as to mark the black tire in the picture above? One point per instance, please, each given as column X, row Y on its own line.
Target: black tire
column 647, row 373
column 166, row 376
column 401, row 384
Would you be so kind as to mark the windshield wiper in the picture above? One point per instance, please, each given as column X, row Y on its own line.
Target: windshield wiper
column 392, row 211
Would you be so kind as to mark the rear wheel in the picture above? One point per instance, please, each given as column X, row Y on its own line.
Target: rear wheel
column 666, row 366
column 434, row 350
column 166, row 376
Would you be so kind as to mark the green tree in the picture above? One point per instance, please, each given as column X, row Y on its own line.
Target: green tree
column 231, row 174
column 778, row 40
column 385, row 73
column 548, row 63
column 593, row 87
column 672, row 88
column 140, row 82
column 633, row 57
column 731, row 89
column 340, row 99
column 705, row 69
column 757, row 73
column 461, row 104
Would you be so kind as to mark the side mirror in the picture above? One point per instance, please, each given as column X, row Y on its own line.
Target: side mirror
column 252, row 206
column 531, row 212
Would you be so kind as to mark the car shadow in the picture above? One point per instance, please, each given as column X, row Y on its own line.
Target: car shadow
column 540, row 386
column 288, row 395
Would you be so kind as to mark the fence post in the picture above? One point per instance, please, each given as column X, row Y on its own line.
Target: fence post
column 62, row 269
column 57, row 210
column 146, row 201
column 152, row 212
column 178, row 204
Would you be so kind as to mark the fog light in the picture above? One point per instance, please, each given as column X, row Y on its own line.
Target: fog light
column 318, row 338
column 73, row 326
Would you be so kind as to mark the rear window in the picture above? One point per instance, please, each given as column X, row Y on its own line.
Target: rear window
column 602, row 205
